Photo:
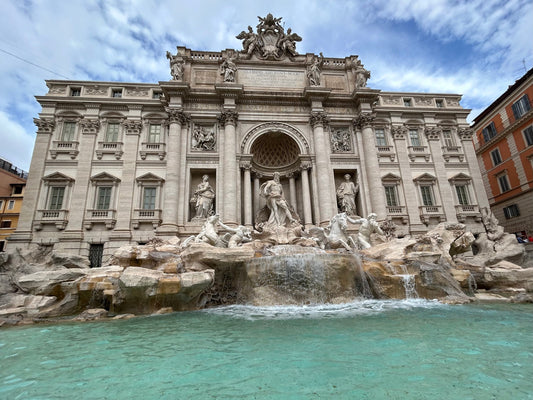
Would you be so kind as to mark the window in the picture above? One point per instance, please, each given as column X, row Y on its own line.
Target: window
column 427, row 195
column 154, row 134
column 380, row 137
column 521, row 107
column 6, row 224
column 496, row 157
column 68, row 132
column 462, row 194
column 149, row 198
column 415, row 138
column 528, row 134
column 2, row 245
column 504, row 183
column 1, row 205
column 439, row 103
column 157, row 95
column 75, row 92
column 511, row 211
column 489, row 132
column 116, row 93
column 407, row 102
column 57, row 194
column 448, row 138
column 391, row 195
column 96, row 251
column 104, row 197
column 17, row 189
column 11, row 204
column 111, row 134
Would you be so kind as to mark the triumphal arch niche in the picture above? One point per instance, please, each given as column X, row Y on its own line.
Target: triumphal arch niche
column 116, row 163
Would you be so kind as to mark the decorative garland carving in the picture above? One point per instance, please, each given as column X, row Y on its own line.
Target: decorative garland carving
column 465, row 133
column 132, row 127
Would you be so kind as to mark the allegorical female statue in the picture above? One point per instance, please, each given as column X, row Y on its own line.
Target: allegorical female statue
column 203, row 198
column 346, row 193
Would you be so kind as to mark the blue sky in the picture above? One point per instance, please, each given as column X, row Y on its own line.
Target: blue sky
column 476, row 48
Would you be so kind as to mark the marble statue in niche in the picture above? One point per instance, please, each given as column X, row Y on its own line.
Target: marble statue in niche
column 313, row 70
column 346, row 193
column 203, row 199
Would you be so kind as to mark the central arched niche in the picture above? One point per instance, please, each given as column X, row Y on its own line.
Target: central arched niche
column 275, row 151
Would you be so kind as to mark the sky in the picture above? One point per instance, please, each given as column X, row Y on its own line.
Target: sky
column 476, row 48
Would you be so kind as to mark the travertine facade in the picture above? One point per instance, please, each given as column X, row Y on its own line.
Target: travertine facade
column 117, row 163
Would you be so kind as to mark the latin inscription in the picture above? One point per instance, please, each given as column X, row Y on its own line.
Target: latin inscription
column 271, row 78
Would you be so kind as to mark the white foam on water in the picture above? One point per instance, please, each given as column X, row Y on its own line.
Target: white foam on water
column 363, row 307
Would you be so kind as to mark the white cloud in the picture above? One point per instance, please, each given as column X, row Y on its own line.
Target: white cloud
column 17, row 145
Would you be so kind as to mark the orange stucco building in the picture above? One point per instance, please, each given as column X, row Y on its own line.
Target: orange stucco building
column 504, row 147
column 12, row 183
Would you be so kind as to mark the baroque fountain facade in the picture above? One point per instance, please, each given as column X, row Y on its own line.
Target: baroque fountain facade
column 261, row 176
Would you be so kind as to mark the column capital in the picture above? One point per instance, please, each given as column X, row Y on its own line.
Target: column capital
column 319, row 118
column 228, row 117
column 465, row 134
column 433, row 132
column 364, row 120
column 399, row 132
column 177, row 116
column 44, row 125
column 132, row 127
column 90, row 126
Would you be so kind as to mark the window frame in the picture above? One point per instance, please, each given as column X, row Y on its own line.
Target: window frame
column 503, row 183
column 407, row 102
column 391, row 195
column 464, row 197
column 489, row 132
column 6, row 224
column 116, row 134
column 116, row 93
column 511, row 211
column 381, row 139
column 427, row 196
column 496, row 157
column 152, row 198
column 68, row 135
column 104, row 194
column 11, row 205
column 417, row 137
column 151, row 134
column 521, row 107
column 528, row 136
column 51, row 204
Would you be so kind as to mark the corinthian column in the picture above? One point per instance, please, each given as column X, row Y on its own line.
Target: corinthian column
column 169, row 226
column 228, row 119
column 324, row 174
column 377, row 196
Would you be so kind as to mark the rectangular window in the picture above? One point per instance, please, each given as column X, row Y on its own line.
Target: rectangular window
column 427, row 195
column 68, row 131
column 154, row 134
column 521, row 107
column 116, row 93
column 17, row 189
column 528, row 134
column 111, row 134
column 496, row 157
column 2, row 245
column 1, row 205
column 149, row 198
column 415, row 138
column 504, row 183
column 6, row 224
column 448, row 138
column 57, row 193
column 489, row 132
column 11, row 204
column 439, row 103
column 75, row 92
column 104, row 198
column 157, row 95
column 391, row 195
column 511, row 211
column 407, row 102
column 380, row 137
column 462, row 194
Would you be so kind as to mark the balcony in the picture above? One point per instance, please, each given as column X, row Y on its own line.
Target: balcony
column 63, row 147
column 452, row 151
column 428, row 212
column 107, row 217
column 146, row 216
column 114, row 148
column 386, row 151
column 398, row 212
column 153, row 148
column 59, row 218
column 418, row 151
column 464, row 211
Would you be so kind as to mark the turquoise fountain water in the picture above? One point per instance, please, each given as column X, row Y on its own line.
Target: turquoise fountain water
column 370, row 349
